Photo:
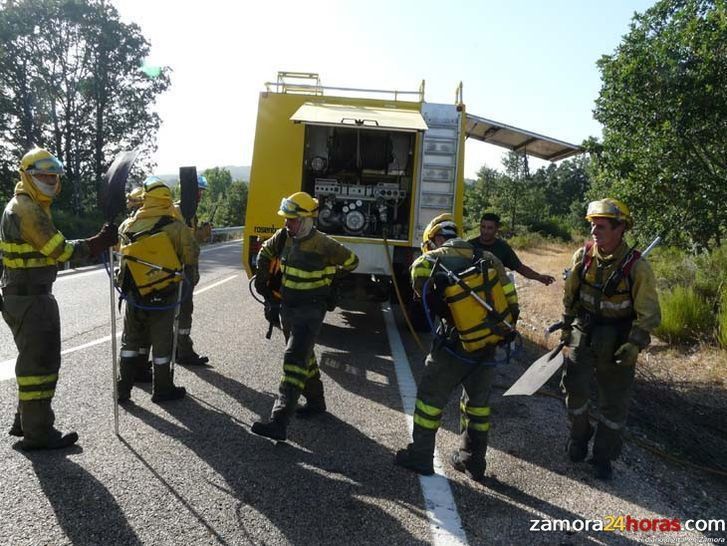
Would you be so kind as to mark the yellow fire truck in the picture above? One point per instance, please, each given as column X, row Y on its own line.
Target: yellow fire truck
column 381, row 163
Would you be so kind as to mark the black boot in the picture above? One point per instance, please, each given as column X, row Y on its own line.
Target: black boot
column 473, row 466
column 275, row 430
column 57, row 441
column 127, row 374
column 143, row 372
column 186, row 356
column 602, row 470
column 17, row 428
column 580, row 436
column 164, row 388
column 311, row 409
column 415, row 461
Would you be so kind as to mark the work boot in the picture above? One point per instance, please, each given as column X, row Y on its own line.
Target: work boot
column 577, row 451
column 186, row 355
column 473, row 467
column 143, row 373
column 17, row 428
column 602, row 470
column 275, row 430
column 127, row 375
column 414, row 461
column 311, row 409
column 164, row 389
column 191, row 359
column 56, row 441
column 581, row 433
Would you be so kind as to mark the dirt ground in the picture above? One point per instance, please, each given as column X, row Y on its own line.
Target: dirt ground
column 679, row 402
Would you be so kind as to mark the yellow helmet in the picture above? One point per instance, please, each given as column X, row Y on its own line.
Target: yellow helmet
column 298, row 205
column 157, row 186
column 41, row 161
column 441, row 225
column 134, row 197
column 610, row 208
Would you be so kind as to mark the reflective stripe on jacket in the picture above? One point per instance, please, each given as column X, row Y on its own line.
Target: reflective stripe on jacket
column 31, row 245
column 635, row 298
column 308, row 264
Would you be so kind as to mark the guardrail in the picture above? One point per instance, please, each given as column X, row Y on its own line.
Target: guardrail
column 226, row 233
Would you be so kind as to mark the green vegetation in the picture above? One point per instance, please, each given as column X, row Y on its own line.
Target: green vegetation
column 225, row 203
column 721, row 333
column 685, row 315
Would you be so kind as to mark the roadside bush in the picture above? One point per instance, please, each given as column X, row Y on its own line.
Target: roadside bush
column 711, row 273
column 721, row 333
column 672, row 267
column 685, row 315
column 77, row 227
column 552, row 227
column 528, row 239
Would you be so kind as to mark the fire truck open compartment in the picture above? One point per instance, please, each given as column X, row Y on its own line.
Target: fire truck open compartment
column 362, row 179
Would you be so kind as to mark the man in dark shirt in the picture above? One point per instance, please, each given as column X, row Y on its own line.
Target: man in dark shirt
column 489, row 241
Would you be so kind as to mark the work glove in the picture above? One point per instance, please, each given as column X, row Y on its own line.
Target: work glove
column 272, row 314
column 107, row 237
column 627, row 354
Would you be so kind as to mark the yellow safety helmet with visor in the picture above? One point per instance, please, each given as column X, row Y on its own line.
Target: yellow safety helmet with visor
column 298, row 205
column 443, row 224
column 610, row 208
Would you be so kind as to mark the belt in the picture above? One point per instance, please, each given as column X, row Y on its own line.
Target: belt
column 27, row 290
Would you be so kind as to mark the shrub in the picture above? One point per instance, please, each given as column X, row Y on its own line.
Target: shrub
column 552, row 227
column 672, row 267
column 711, row 272
column 527, row 240
column 721, row 333
column 685, row 315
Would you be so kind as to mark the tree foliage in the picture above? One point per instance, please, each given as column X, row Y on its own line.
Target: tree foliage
column 663, row 105
column 225, row 202
column 70, row 81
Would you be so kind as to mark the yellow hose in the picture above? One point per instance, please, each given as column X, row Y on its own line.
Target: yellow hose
column 399, row 298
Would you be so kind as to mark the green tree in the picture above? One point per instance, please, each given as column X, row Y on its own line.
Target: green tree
column 478, row 195
column 70, row 81
column 663, row 105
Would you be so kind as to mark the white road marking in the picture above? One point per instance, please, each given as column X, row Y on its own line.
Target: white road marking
column 444, row 521
column 7, row 367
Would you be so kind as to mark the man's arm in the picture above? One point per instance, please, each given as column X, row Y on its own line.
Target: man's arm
column 529, row 273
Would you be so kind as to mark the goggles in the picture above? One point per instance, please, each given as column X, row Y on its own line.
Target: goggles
column 604, row 208
column 288, row 206
column 47, row 165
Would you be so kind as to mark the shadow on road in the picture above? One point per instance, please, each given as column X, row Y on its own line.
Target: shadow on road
column 84, row 508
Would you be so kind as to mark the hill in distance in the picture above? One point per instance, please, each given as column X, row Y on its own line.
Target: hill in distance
column 238, row 172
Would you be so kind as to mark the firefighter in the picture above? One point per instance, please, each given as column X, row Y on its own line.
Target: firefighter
column 32, row 249
column 152, row 297
column 134, row 200
column 611, row 306
column 186, row 355
column 456, row 358
column 310, row 261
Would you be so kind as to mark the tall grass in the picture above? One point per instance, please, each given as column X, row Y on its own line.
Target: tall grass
column 685, row 315
column 721, row 333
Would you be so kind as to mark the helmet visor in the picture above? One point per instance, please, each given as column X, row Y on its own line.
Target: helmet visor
column 603, row 208
column 290, row 208
column 47, row 165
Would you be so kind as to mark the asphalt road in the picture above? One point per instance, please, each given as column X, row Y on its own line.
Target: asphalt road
column 190, row 472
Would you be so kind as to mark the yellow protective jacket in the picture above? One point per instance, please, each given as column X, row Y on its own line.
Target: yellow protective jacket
column 308, row 265
column 30, row 244
column 634, row 300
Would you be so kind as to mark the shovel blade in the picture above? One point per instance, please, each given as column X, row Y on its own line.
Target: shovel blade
column 114, row 194
column 536, row 375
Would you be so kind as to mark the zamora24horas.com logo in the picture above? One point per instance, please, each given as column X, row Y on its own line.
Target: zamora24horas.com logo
column 627, row 523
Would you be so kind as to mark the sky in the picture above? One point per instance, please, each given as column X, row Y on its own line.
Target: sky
column 530, row 64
